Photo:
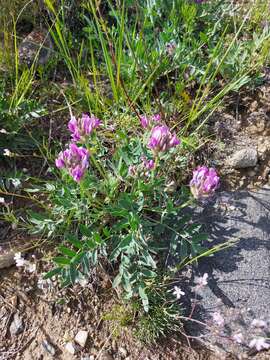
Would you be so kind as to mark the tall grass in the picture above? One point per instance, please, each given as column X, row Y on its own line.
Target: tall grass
column 122, row 48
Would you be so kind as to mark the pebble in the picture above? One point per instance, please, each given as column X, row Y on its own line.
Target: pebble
column 244, row 158
column 81, row 338
column 16, row 326
column 48, row 347
column 251, row 173
column 70, row 348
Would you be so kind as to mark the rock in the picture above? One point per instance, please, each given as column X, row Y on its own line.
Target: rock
column 16, row 326
column 251, row 173
column 81, row 338
column 36, row 46
column 70, row 347
column 238, row 277
column 48, row 347
column 244, row 158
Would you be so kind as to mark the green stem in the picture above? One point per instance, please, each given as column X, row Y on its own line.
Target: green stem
column 99, row 167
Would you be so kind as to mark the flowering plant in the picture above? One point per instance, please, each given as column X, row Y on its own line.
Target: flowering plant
column 118, row 207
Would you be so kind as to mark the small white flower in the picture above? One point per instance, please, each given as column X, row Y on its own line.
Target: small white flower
column 259, row 323
column 238, row 338
column 7, row 152
column 19, row 260
column 3, row 131
column 200, row 282
column 259, row 344
column 178, row 292
column 2, row 200
column 218, row 319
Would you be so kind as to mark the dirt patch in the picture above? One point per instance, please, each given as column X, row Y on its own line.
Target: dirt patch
column 54, row 317
column 243, row 123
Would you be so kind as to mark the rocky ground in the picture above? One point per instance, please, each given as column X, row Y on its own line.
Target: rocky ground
column 241, row 148
column 39, row 322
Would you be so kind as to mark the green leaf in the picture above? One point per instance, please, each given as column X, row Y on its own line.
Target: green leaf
column 144, row 297
column 77, row 258
column 66, row 251
column 148, row 273
column 85, row 230
column 123, row 245
column 61, row 260
column 117, row 280
column 52, row 273
column 74, row 241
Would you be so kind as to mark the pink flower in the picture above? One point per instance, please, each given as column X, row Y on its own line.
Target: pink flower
column 204, row 182
column 147, row 164
column 161, row 139
column 75, row 160
column 156, row 118
column 259, row 344
column 132, row 170
column 82, row 127
column 146, row 122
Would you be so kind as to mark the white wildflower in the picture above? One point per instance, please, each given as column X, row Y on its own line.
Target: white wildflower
column 178, row 292
column 218, row 319
column 7, row 152
column 19, row 260
column 259, row 344
column 2, row 200
column 3, row 131
column 238, row 338
column 200, row 282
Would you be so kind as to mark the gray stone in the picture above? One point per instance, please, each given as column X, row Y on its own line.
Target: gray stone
column 36, row 47
column 244, row 158
column 16, row 326
column 49, row 348
column 81, row 338
column 70, row 348
column 238, row 277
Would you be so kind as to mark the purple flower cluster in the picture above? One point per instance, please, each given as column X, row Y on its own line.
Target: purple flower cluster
column 146, row 122
column 75, row 160
column 142, row 169
column 82, row 127
column 204, row 182
column 162, row 139
column 147, row 164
